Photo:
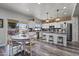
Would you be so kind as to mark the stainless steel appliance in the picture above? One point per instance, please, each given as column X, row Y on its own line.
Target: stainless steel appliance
column 69, row 32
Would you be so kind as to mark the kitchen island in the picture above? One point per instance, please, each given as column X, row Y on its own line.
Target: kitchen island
column 20, row 43
column 55, row 38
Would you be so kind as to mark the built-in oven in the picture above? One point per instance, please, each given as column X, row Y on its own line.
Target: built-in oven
column 60, row 40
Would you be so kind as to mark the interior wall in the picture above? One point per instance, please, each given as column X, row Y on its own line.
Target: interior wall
column 75, row 29
column 78, row 28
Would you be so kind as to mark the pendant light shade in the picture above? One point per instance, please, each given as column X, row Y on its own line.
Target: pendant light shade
column 57, row 19
column 47, row 20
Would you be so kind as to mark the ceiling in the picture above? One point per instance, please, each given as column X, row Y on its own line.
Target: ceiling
column 76, row 11
column 39, row 10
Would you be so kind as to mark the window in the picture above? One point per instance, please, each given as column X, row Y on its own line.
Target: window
column 1, row 23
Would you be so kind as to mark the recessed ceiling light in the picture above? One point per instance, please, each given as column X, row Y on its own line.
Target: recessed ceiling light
column 27, row 9
column 64, row 7
column 38, row 3
column 65, row 13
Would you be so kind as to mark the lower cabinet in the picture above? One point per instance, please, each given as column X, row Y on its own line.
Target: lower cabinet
column 44, row 38
column 58, row 39
column 51, row 39
column 14, row 50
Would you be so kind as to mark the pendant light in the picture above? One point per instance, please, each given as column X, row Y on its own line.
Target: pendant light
column 57, row 19
column 47, row 17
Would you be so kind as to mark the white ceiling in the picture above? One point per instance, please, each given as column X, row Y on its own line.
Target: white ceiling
column 76, row 11
column 39, row 10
